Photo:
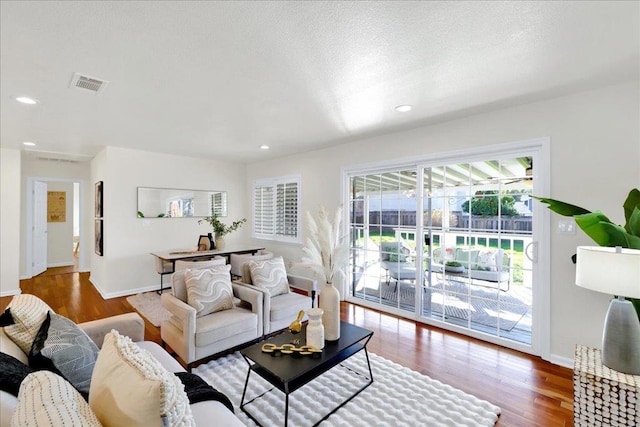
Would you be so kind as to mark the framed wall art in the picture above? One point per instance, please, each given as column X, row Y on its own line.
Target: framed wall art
column 98, row 201
column 98, row 237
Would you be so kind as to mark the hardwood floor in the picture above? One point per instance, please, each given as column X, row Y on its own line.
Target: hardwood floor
column 530, row 391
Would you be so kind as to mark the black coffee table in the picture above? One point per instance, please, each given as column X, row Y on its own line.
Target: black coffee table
column 288, row 373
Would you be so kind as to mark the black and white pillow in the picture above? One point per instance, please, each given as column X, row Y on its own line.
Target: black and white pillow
column 12, row 373
column 62, row 347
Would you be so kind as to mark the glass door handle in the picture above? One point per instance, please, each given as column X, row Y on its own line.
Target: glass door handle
column 531, row 252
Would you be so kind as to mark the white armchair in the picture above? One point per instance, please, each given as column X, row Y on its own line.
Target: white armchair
column 280, row 310
column 194, row 338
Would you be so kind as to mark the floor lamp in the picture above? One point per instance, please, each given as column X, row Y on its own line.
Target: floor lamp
column 615, row 271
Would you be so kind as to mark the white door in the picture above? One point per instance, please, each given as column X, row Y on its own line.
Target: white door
column 39, row 227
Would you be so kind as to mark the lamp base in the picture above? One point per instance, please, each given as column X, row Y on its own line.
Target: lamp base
column 621, row 338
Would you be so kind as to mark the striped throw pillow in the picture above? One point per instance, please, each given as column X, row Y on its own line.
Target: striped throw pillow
column 47, row 399
column 28, row 312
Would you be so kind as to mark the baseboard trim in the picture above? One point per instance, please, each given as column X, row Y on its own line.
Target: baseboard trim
column 567, row 362
column 109, row 295
column 11, row 293
column 60, row 264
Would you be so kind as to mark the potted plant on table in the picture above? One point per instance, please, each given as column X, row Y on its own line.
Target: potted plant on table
column 220, row 228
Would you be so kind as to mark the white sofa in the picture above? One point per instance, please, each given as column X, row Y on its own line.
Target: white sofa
column 131, row 325
column 484, row 266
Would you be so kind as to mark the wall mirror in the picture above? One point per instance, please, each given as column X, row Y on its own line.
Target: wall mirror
column 177, row 203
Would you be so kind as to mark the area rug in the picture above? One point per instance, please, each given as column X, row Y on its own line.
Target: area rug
column 148, row 305
column 398, row 396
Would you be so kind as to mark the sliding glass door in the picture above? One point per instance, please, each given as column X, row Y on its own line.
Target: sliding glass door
column 447, row 243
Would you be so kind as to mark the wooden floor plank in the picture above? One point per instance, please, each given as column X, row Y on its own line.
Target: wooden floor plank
column 529, row 390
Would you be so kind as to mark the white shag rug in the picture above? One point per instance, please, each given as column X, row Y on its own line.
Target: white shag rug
column 148, row 305
column 398, row 396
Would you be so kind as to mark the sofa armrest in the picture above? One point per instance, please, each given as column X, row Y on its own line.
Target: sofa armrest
column 129, row 324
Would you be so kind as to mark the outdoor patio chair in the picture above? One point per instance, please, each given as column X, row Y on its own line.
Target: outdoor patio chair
column 395, row 258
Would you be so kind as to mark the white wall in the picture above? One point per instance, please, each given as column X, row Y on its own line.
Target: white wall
column 10, row 209
column 595, row 152
column 54, row 173
column 60, row 234
column 127, row 266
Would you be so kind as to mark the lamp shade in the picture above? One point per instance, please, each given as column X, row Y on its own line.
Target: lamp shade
column 606, row 270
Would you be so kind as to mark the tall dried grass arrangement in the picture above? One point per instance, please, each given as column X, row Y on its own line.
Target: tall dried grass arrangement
column 326, row 252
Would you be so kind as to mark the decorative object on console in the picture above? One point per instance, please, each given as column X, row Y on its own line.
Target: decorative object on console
column 220, row 229
column 206, row 242
column 326, row 253
column 615, row 271
column 315, row 330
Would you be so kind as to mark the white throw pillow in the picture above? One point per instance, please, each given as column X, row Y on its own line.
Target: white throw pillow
column 28, row 312
column 209, row 289
column 271, row 275
column 129, row 387
column 47, row 399
column 487, row 260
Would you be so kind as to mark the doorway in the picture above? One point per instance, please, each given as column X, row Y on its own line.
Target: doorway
column 53, row 243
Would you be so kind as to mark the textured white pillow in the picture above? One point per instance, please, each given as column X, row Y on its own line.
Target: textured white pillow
column 47, row 399
column 209, row 289
column 28, row 312
column 129, row 387
column 487, row 260
column 271, row 275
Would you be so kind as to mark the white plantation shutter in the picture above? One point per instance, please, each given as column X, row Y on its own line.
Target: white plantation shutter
column 276, row 213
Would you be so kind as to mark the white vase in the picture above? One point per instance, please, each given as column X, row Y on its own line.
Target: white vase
column 330, row 304
column 315, row 329
column 219, row 243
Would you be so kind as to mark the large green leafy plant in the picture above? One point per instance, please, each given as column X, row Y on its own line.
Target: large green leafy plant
column 605, row 233
column 219, row 227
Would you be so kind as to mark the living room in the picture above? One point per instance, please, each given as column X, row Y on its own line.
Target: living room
column 591, row 123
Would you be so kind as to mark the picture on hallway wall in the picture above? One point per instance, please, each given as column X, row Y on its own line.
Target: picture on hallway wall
column 98, row 201
column 98, row 236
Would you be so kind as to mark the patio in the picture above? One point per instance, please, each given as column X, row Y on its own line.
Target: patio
column 453, row 301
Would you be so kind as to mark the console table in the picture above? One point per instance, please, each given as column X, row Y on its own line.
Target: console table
column 166, row 260
column 602, row 396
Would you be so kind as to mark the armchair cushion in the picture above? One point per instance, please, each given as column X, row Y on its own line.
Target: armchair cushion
column 239, row 261
column 224, row 324
column 152, row 395
column 209, row 289
column 271, row 275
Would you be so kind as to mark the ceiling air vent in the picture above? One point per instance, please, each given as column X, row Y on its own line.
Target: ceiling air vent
column 88, row 83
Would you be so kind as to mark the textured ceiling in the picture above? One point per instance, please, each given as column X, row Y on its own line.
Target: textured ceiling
column 218, row 79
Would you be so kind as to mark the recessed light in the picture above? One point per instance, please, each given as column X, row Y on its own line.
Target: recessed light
column 26, row 100
column 264, row 147
column 29, row 143
column 403, row 108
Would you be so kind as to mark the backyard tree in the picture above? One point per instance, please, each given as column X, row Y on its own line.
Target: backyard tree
column 485, row 203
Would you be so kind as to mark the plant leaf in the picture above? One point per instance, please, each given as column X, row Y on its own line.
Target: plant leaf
column 633, row 223
column 630, row 204
column 562, row 208
column 605, row 233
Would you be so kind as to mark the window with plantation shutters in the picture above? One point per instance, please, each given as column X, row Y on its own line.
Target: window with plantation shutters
column 276, row 213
